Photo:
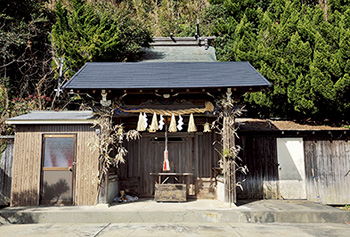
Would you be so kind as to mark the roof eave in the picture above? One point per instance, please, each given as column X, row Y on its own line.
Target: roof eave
column 49, row 122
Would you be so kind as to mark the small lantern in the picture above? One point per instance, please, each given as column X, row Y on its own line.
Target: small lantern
column 206, row 127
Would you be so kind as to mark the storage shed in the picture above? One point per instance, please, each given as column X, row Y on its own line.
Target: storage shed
column 287, row 160
column 52, row 162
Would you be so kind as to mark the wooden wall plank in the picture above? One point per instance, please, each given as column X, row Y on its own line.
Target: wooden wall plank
column 259, row 153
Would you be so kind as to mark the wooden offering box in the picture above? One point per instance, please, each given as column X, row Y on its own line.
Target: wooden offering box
column 170, row 193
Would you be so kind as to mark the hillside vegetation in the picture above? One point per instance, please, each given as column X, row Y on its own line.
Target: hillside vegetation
column 301, row 47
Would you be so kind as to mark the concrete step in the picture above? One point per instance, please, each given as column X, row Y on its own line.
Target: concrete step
column 207, row 211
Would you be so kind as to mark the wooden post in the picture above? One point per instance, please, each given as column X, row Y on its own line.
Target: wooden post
column 228, row 145
column 229, row 159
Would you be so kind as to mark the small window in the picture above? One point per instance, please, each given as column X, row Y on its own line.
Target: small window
column 58, row 151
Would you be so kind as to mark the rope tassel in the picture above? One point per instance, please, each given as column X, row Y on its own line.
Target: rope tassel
column 191, row 125
column 172, row 127
column 154, row 124
column 141, row 123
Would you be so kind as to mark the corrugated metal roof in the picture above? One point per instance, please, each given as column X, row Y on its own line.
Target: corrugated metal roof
column 53, row 117
column 166, row 75
column 178, row 54
column 182, row 41
column 254, row 124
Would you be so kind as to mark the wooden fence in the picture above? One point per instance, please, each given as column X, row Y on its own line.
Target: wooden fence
column 6, row 159
column 330, row 160
column 328, row 156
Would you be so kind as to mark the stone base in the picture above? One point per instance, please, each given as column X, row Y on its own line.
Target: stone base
column 102, row 205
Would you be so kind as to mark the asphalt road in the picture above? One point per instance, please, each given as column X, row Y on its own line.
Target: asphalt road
column 178, row 229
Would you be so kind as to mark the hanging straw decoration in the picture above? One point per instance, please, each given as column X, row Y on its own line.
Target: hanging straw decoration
column 154, row 124
column 180, row 123
column 172, row 127
column 191, row 125
column 208, row 107
column 141, row 124
column 161, row 122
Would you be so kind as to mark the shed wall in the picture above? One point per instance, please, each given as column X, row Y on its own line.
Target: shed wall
column 27, row 164
column 259, row 153
column 327, row 156
column 330, row 160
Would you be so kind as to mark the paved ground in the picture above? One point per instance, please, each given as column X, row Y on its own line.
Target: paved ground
column 199, row 211
column 178, row 229
column 195, row 218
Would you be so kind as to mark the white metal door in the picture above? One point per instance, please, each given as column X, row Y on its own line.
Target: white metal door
column 290, row 153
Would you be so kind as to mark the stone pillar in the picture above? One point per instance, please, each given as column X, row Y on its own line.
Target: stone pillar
column 103, row 193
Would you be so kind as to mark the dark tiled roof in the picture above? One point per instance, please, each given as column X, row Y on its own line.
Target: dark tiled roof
column 166, row 75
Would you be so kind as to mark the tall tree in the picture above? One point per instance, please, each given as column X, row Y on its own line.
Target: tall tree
column 84, row 32
column 303, row 54
column 25, row 48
